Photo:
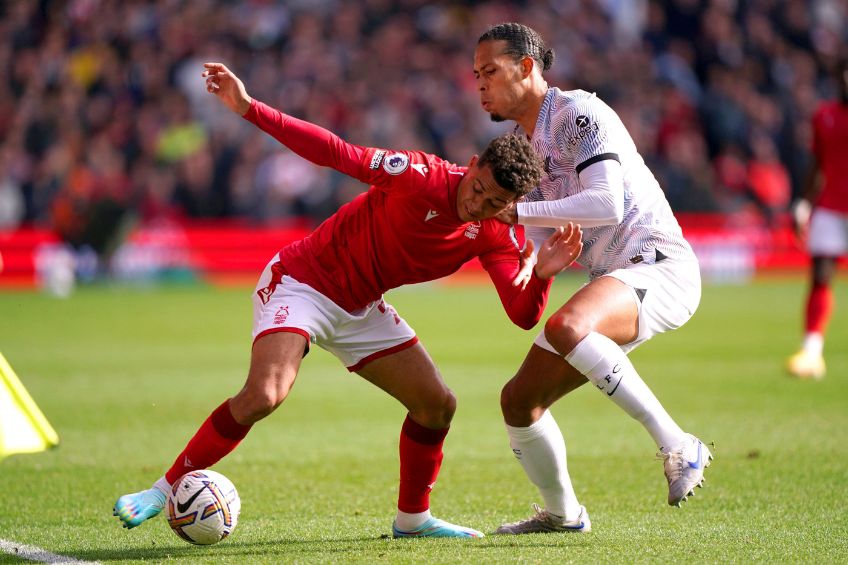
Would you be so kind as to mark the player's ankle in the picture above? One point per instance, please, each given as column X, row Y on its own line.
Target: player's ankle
column 408, row 522
column 162, row 485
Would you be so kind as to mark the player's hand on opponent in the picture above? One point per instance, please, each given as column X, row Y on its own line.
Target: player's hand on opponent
column 559, row 251
column 229, row 88
column 526, row 262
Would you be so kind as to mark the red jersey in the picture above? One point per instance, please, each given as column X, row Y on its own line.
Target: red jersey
column 405, row 229
column 830, row 146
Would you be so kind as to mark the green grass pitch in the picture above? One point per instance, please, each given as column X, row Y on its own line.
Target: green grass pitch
column 127, row 375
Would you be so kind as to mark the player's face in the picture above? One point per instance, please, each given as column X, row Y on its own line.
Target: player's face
column 479, row 197
column 499, row 80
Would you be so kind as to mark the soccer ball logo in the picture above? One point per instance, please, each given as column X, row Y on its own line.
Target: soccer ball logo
column 203, row 507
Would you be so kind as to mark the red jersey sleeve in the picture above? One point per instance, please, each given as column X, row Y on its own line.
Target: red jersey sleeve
column 402, row 171
column 379, row 167
column 524, row 307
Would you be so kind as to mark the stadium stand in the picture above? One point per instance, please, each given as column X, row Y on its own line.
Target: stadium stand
column 105, row 126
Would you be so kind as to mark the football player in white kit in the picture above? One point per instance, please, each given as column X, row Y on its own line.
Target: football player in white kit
column 644, row 276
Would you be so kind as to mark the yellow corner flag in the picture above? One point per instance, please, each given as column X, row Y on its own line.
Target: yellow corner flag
column 23, row 428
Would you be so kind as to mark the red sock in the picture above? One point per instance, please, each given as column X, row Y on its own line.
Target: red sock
column 218, row 436
column 420, row 460
column 819, row 308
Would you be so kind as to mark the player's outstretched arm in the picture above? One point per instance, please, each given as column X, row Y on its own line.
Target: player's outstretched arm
column 559, row 251
column 308, row 140
column 229, row 88
column 600, row 203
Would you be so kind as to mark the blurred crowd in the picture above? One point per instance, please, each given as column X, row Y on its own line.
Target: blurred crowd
column 104, row 116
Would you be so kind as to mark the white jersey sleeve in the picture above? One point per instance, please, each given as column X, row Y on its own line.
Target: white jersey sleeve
column 599, row 204
column 622, row 225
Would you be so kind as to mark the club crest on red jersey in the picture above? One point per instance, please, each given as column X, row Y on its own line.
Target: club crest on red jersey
column 395, row 163
column 472, row 230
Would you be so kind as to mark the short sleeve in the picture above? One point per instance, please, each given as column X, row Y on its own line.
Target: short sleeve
column 585, row 129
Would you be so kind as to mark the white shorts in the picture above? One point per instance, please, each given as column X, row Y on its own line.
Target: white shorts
column 828, row 233
column 666, row 295
column 282, row 304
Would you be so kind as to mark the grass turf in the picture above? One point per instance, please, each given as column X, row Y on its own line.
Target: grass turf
column 127, row 375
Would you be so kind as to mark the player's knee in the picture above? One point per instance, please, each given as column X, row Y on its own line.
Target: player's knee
column 266, row 402
column 518, row 408
column 508, row 400
column 564, row 330
column 251, row 406
column 438, row 412
column 513, row 403
column 823, row 269
column 259, row 398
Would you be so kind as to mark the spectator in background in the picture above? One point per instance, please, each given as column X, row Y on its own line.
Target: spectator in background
column 767, row 177
column 80, row 71
column 11, row 195
column 821, row 220
column 91, row 206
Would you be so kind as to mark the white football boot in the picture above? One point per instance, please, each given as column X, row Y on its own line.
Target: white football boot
column 543, row 521
column 684, row 468
column 806, row 365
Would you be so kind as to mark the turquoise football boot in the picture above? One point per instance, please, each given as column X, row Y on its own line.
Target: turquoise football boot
column 133, row 509
column 435, row 528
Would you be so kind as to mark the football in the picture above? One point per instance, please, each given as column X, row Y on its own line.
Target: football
column 203, row 507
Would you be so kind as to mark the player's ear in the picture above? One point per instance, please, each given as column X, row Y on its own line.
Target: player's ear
column 527, row 64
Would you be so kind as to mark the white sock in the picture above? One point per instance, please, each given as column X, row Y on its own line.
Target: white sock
column 540, row 448
column 813, row 343
column 163, row 485
column 407, row 522
column 603, row 362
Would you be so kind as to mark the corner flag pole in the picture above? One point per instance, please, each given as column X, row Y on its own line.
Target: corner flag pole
column 23, row 427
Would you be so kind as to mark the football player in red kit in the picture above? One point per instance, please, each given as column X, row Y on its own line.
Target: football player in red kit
column 421, row 219
column 821, row 221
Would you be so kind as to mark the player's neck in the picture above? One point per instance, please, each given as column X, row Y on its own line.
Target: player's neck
column 530, row 115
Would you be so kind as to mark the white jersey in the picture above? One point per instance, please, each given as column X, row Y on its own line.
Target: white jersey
column 574, row 130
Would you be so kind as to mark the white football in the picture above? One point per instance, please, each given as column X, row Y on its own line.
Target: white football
column 203, row 507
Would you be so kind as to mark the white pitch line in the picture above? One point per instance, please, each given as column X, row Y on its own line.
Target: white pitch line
column 36, row 553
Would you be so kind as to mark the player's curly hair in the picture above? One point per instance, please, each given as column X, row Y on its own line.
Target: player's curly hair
column 515, row 166
column 521, row 40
